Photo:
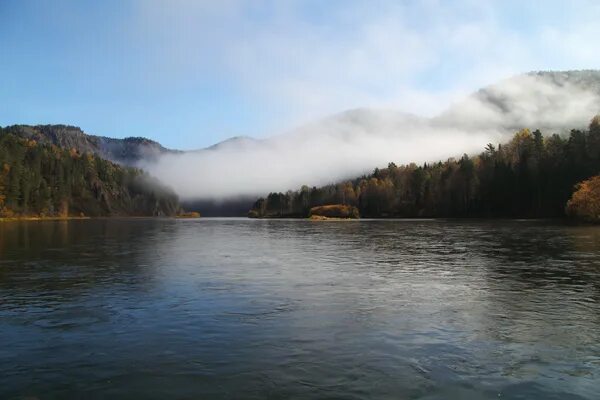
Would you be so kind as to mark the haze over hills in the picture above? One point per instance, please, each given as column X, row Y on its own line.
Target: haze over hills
column 236, row 142
column 356, row 141
column 349, row 143
column 550, row 100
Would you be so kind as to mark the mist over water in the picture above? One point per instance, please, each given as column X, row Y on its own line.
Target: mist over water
column 350, row 144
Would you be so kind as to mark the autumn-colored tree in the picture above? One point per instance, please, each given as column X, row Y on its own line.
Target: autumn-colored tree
column 585, row 203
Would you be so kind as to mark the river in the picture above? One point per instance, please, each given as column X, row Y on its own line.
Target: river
column 277, row 309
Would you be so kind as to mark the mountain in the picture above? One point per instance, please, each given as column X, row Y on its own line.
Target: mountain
column 353, row 124
column 235, row 142
column 126, row 151
column 555, row 101
column 39, row 178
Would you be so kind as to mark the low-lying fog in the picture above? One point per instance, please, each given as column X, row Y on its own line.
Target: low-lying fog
column 355, row 142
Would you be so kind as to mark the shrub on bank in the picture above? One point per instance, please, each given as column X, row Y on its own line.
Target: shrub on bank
column 188, row 214
column 585, row 202
column 334, row 211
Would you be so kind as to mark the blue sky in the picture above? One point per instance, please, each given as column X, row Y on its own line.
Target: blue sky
column 191, row 73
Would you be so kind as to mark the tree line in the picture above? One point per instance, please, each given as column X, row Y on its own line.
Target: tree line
column 530, row 176
column 38, row 179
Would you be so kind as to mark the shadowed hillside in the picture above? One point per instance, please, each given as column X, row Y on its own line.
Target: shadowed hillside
column 41, row 179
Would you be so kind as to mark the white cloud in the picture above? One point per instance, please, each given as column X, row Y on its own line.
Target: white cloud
column 299, row 61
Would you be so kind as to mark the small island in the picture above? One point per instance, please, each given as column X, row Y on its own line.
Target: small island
column 333, row 212
column 188, row 215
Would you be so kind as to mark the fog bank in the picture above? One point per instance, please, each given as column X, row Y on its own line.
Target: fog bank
column 355, row 142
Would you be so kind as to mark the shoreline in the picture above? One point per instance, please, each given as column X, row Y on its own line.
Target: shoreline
column 319, row 218
column 75, row 218
column 13, row 219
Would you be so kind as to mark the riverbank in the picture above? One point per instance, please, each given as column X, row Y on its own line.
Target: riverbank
column 70, row 218
column 38, row 218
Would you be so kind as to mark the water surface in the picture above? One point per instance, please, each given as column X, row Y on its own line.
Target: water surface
column 274, row 309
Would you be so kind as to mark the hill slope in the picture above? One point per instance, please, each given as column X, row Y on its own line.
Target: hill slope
column 126, row 151
column 553, row 101
column 40, row 179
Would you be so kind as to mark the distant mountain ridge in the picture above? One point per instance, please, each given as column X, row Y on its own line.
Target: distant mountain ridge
column 127, row 151
column 548, row 100
column 236, row 141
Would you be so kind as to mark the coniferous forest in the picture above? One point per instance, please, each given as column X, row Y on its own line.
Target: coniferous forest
column 532, row 176
column 38, row 179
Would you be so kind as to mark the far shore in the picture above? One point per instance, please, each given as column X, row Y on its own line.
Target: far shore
column 17, row 219
column 185, row 215
column 564, row 220
column 38, row 218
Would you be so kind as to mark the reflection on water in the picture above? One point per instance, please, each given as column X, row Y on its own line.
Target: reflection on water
column 298, row 309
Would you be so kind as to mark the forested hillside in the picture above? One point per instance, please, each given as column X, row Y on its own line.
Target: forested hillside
column 530, row 176
column 38, row 179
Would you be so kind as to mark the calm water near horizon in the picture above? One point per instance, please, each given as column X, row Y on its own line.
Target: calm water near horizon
column 277, row 309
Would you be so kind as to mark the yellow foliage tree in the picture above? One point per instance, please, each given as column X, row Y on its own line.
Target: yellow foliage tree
column 585, row 202
column 3, row 175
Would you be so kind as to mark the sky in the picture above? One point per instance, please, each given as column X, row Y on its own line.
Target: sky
column 191, row 73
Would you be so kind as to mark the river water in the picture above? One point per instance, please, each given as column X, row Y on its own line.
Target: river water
column 277, row 309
